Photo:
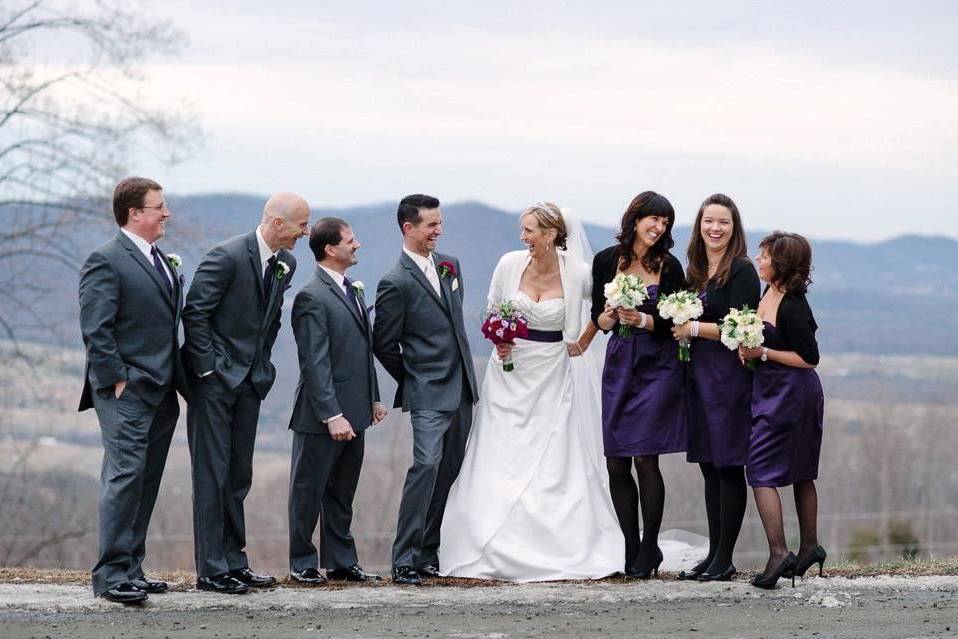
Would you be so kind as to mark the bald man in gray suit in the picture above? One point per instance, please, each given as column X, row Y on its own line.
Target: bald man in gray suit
column 231, row 319
column 130, row 299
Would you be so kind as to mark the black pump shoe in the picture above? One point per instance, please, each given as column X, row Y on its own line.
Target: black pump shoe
column 817, row 556
column 693, row 574
column 784, row 569
column 725, row 575
column 645, row 572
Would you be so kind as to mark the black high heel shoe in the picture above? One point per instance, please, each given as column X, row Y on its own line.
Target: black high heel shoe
column 725, row 575
column 645, row 572
column 693, row 574
column 817, row 556
column 784, row 569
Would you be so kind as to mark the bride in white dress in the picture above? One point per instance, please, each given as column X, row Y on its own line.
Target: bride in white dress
column 532, row 500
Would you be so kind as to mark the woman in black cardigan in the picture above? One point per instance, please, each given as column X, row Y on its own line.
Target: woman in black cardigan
column 720, row 387
column 787, row 406
column 643, row 403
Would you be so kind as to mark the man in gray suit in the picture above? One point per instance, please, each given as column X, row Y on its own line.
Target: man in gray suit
column 130, row 300
column 420, row 339
column 231, row 320
column 336, row 400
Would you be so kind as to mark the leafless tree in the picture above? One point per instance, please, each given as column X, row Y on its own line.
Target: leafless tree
column 73, row 108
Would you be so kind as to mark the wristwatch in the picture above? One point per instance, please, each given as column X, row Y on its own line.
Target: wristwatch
column 764, row 357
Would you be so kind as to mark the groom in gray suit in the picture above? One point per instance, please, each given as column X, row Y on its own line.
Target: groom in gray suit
column 130, row 299
column 336, row 401
column 420, row 339
column 231, row 320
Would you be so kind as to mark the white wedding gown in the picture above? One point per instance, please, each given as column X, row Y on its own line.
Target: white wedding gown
column 532, row 499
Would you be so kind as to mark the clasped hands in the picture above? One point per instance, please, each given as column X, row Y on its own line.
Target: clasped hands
column 342, row 431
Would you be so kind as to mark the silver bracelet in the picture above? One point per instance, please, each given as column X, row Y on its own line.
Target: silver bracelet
column 645, row 320
column 695, row 329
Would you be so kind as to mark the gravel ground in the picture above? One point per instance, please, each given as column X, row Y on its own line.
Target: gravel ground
column 872, row 607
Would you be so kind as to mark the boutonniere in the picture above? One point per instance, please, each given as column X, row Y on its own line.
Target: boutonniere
column 282, row 268
column 358, row 286
column 174, row 260
column 447, row 269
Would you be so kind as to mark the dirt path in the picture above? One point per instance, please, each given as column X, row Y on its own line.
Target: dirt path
column 872, row 607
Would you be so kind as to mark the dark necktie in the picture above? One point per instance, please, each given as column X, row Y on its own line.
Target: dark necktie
column 268, row 276
column 158, row 265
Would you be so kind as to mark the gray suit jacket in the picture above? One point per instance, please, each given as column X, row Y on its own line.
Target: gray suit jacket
column 335, row 345
column 129, row 324
column 230, row 327
column 420, row 338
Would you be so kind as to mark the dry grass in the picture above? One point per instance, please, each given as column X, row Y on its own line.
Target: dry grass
column 181, row 581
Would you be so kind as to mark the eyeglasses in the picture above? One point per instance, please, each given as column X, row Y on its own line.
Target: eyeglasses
column 161, row 207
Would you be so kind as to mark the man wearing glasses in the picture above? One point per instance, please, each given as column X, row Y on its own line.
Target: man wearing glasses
column 130, row 300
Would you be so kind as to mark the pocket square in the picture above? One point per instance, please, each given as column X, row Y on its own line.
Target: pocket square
column 455, row 284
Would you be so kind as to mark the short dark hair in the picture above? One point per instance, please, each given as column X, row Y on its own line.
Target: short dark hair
column 328, row 231
column 129, row 194
column 791, row 257
column 410, row 206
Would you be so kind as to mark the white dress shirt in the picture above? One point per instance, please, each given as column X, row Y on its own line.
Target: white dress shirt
column 340, row 279
column 147, row 249
column 428, row 267
column 265, row 252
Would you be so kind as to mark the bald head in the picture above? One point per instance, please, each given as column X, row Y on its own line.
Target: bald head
column 285, row 220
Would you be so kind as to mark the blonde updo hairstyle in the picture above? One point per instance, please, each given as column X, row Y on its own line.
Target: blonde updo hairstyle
column 548, row 216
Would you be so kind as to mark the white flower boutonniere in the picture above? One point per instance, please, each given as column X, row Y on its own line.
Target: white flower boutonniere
column 282, row 268
column 175, row 260
column 358, row 286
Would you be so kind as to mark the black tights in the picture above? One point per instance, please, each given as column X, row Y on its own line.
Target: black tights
column 640, row 551
column 725, row 500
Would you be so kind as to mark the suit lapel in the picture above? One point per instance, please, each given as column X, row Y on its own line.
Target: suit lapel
column 444, row 284
column 339, row 294
column 420, row 277
column 137, row 255
column 177, row 289
column 253, row 246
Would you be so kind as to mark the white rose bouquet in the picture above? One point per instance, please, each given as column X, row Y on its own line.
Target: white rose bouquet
column 625, row 291
column 681, row 307
column 742, row 328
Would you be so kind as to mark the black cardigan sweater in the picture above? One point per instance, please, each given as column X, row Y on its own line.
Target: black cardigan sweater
column 742, row 289
column 604, row 266
column 796, row 325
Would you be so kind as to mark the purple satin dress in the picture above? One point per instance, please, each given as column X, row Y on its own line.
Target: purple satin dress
column 719, row 405
column 643, row 393
column 788, row 408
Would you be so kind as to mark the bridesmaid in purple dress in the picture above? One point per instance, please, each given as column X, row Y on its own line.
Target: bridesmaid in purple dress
column 787, row 407
column 643, row 382
column 720, row 387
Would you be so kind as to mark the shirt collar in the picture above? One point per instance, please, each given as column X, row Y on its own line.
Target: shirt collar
column 339, row 278
column 265, row 252
column 421, row 262
column 145, row 247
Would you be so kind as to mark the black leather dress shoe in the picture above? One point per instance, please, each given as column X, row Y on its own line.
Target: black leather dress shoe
column 353, row 573
column 223, row 584
column 250, row 578
column 150, row 585
column 430, row 570
column 406, row 576
column 308, row 577
column 125, row 594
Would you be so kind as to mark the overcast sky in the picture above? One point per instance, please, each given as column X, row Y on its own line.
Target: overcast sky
column 835, row 119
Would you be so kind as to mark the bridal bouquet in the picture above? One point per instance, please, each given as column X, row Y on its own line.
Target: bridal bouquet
column 681, row 307
column 503, row 325
column 625, row 291
column 742, row 328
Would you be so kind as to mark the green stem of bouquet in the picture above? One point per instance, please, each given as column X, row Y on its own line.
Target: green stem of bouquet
column 685, row 353
column 624, row 330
